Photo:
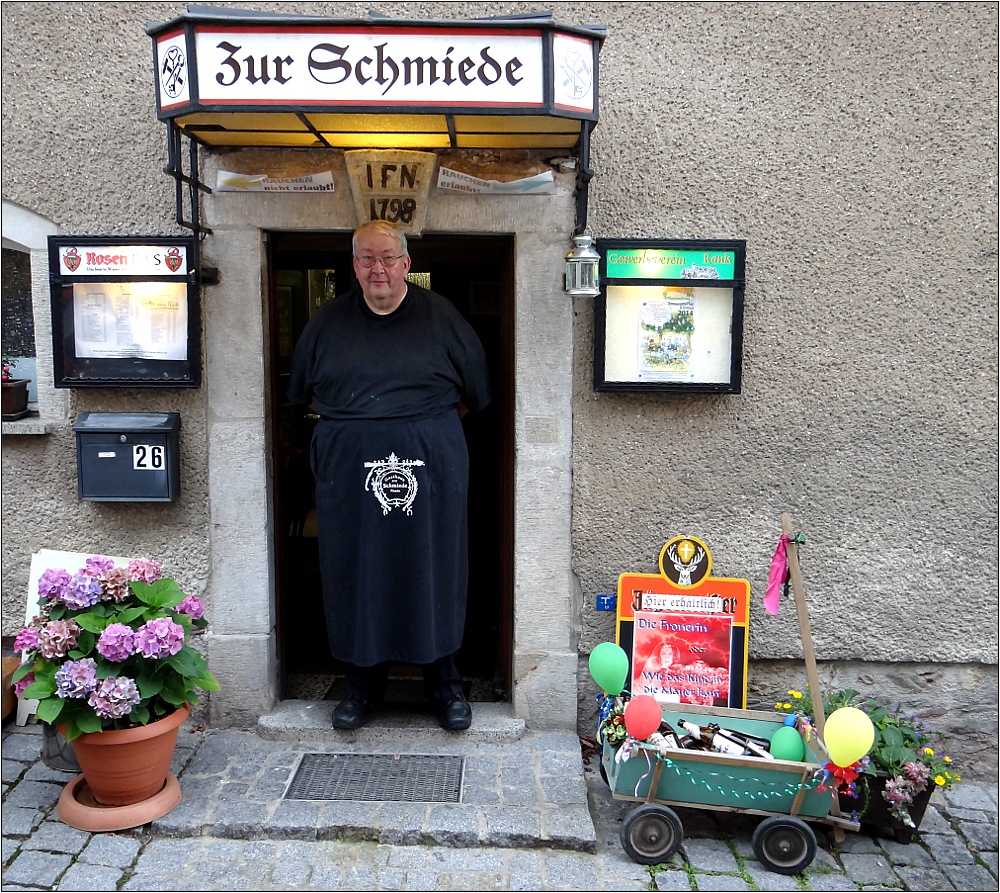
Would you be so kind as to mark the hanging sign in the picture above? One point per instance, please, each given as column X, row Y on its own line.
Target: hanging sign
column 391, row 185
column 684, row 631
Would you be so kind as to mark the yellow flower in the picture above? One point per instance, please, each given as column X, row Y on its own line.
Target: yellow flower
column 929, row 751
column 940, row 780
column 794, row 693
column 947, row 759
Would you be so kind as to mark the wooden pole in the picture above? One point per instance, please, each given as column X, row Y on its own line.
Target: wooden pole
column 798, row 590
column 815, row 692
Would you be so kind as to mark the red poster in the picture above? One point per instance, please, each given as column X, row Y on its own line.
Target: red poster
column 682, row 658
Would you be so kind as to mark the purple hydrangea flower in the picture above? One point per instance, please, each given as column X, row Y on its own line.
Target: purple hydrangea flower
column 114, row 697
column 97, row 564
column 117, row 642
column 82, row 591
column 145, row 570
column 26, row 640
column 23, row 683
column 76, row 678
column 159, row 638
column 57, row 638
column 52, row 582
column 192, row 606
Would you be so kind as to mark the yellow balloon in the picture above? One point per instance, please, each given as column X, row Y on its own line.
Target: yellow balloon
column 848, row 735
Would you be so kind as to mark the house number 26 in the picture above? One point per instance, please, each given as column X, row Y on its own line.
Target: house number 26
column 147, row 457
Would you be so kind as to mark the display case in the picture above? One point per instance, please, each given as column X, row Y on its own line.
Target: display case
column 670, row 316
column 125, row 312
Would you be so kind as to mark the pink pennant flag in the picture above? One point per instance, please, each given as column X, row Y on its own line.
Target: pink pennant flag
column 778, row 577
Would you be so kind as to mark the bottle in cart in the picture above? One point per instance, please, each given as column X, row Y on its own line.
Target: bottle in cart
column 712, row 737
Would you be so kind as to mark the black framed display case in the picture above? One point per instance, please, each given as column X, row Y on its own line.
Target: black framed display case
column 126, row 311
column 670, row 315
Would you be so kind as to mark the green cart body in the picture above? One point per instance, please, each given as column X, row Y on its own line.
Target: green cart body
column 783, row 790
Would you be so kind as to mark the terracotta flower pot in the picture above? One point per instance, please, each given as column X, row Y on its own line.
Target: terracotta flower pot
column 15, row 397
column 127, row 766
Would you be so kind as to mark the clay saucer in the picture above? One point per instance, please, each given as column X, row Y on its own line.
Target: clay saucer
column 78, row 808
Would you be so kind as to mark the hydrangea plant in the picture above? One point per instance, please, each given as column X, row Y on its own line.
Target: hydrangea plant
column 111, row 647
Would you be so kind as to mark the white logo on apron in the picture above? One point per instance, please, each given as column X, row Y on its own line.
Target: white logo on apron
column 392, row 482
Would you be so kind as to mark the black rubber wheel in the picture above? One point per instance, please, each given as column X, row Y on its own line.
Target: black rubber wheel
column 604, row 773
column 784, row 844
column 651, row 834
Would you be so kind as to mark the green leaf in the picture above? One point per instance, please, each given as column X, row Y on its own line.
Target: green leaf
column 163, row 593
column 207, row 681
column 21, row 671
column 40, row 688
column 184, row 662
column 150, row 685
column 129, row 614
column 89, row 722
column 91, row 622
column 49, row 709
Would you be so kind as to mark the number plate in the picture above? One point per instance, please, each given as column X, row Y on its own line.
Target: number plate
column 149, row 457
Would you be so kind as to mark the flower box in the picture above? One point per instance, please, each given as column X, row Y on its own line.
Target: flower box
column 874, row 813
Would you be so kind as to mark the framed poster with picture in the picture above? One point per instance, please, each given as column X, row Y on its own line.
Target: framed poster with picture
column 670, row 316
column 126, row 312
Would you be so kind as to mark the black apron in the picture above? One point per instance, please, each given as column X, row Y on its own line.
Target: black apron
column 391, row 498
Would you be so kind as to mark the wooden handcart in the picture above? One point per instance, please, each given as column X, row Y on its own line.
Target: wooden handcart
column 784, row 791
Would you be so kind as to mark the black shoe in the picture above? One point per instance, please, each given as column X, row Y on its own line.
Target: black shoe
column 455, row 715
column 353, row 712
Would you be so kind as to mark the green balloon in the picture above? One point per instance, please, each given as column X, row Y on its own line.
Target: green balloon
column 786, row 744
column 609, row 667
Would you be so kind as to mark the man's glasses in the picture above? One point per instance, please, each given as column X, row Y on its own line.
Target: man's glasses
column 367, row 261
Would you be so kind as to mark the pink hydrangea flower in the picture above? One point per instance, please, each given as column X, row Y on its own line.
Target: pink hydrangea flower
column 145, row 570
column 97, row 564
column 159, row 638
column 26, row 640
column 114, row 697
column 76, row 678
column 117, row 642
column 57, row 638
column 192, row 606
column 52, row 582
column 23, row 683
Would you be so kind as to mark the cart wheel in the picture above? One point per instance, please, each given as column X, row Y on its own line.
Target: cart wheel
column 604, row 773
column 784, row 844
column 651, row 834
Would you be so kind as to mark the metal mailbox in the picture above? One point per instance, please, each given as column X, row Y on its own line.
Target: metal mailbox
column 128, row 456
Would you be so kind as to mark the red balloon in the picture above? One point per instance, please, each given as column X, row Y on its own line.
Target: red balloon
column 643, row 716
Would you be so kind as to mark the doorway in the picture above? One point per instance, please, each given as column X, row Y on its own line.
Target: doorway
column 477, row 274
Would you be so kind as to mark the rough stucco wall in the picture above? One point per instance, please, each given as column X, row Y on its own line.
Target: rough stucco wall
column 865, row 186
column 853, row 146
column 84, row 149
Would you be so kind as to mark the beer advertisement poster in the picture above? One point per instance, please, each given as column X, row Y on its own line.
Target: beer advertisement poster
column 684, row 631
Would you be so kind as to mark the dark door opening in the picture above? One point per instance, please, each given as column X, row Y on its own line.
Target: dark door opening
column 476, row 274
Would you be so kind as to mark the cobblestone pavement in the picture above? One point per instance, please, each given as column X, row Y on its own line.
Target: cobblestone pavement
column 533, row 816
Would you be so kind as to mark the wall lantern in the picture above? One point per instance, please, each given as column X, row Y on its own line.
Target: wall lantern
column 581, row 268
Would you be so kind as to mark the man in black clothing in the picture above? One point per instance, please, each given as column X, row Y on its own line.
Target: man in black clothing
column 390, row 368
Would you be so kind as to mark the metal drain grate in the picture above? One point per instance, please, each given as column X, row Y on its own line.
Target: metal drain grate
column 403, row 778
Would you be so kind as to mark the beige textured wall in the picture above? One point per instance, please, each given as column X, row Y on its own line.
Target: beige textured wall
column 854, row 147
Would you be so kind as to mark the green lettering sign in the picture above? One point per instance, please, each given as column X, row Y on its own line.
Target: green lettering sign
column 670, row 263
